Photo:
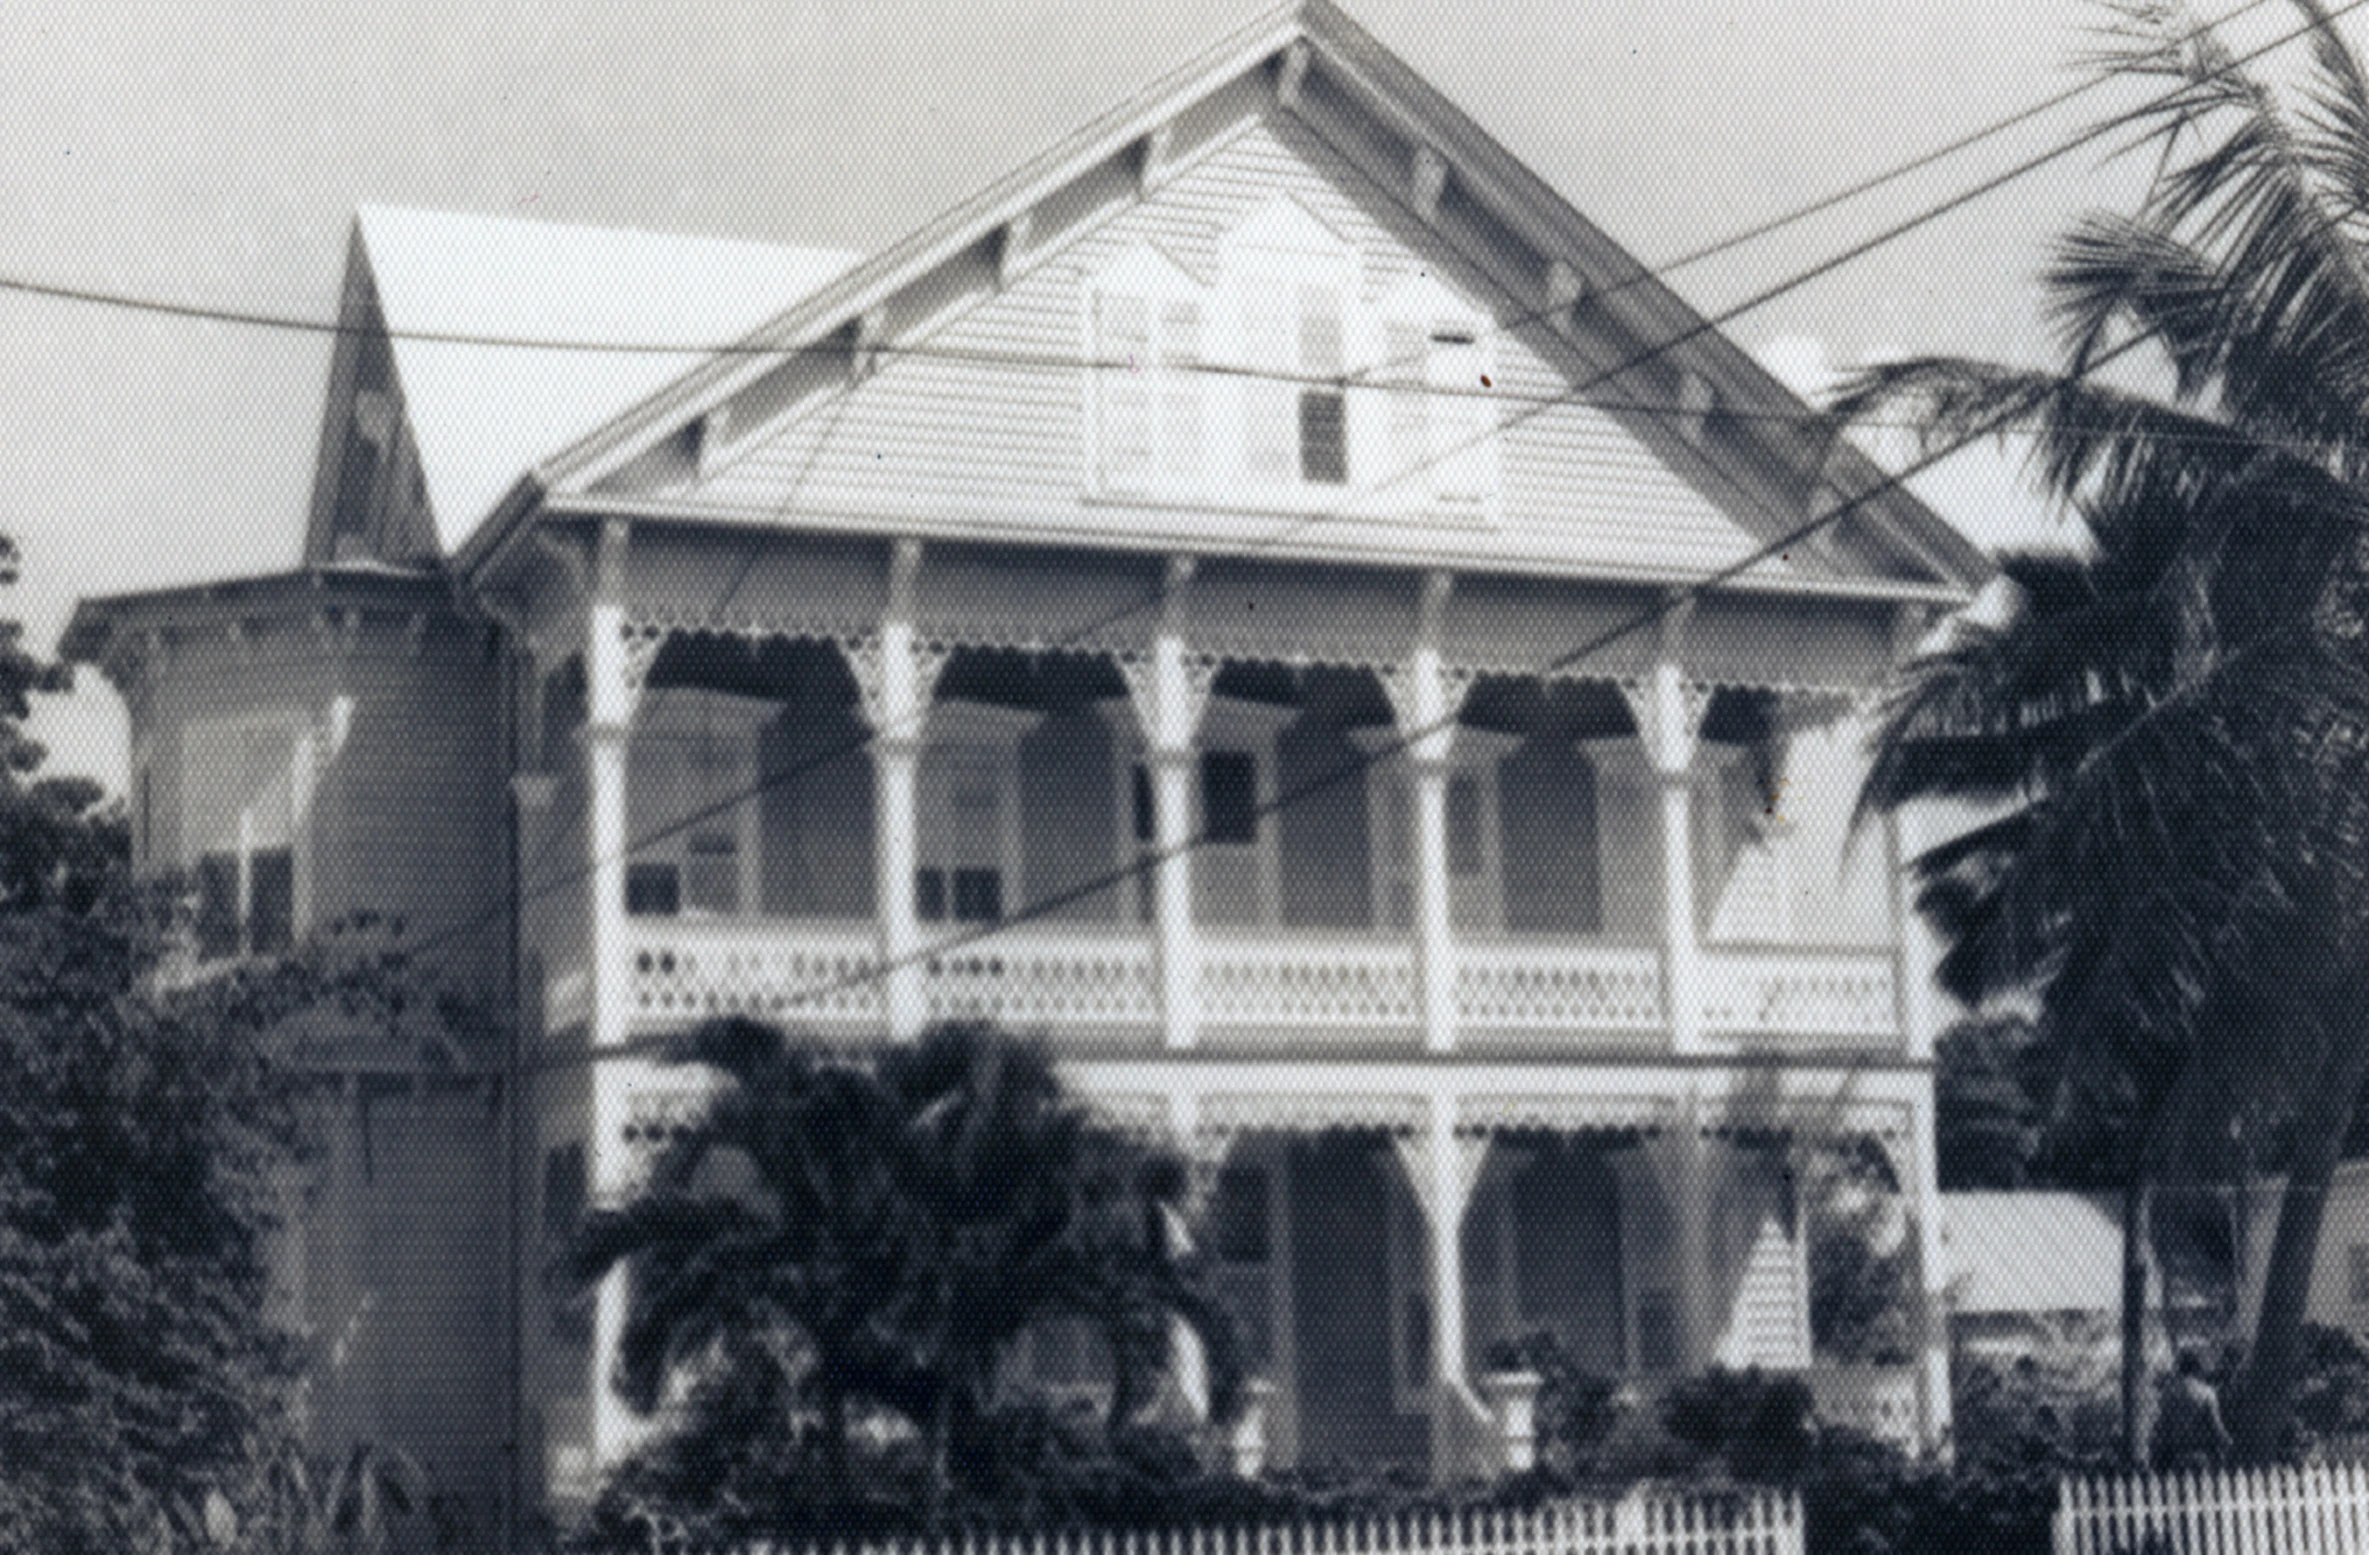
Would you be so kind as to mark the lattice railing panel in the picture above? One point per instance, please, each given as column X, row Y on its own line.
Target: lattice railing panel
column 1338, row 984
column 1065, row 978
column 1558, row 988
column 798, row 974
column 1793, row 993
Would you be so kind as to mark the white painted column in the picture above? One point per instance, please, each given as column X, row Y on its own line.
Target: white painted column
column 1442, row 1167
column 1924, row 1010
column 1170, row 691
column 1932, row 1314
column 612, row 688
column 1668, row 710
column 896, row 767
column 613, row 667
column 1917, row 952
column 1435, row 938
column 1426, row 698
column 896, row 677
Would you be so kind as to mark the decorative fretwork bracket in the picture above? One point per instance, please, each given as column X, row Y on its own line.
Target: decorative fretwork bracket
column 868, row 659
column 1671, row 748
column 1197, row 673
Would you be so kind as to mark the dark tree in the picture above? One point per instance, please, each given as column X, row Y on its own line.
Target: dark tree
column 2176, row 720
column 833, row 1240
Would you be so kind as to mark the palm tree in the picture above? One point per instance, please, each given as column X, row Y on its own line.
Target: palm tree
column 2176, row 719
column 902, row 1222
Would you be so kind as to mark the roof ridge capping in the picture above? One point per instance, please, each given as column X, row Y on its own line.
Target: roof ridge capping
column 1291, row 41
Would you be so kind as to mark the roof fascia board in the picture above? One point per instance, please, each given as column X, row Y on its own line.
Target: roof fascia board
column 98, row 619
column 487, row 544
column 664, row 510
column 873, row 282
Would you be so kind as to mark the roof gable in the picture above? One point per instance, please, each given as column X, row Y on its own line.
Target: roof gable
column 989, row 424
column 503, row 339
column 1306, row 63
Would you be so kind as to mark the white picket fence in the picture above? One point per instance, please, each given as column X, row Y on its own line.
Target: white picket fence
column 2315, row 1509
column 1759, row 1522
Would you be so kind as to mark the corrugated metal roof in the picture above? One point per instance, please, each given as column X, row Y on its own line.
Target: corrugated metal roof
column 485, row 409
column 2032, row 1252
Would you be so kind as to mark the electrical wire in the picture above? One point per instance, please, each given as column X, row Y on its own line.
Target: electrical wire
column 1643, row 620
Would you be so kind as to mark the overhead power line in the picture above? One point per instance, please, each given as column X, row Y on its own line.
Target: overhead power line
column 1642, row 620
column 257, row 318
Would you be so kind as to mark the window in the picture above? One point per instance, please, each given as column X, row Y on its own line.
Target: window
column 1436, row 359
column 2357, row 1271
column 242, row 791
column 1657, row 1330
column 1467, row 849
column 653, row 890
column 1229, row 797
column 690, row 770
column 1296, row 423
column 1149, row 392
column 966, row 863
column 1241, row 1250
column 958, row 895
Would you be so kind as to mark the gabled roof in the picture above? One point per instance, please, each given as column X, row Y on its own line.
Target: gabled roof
column 489, row 318
column 1303, row 41
column 2031, row 1252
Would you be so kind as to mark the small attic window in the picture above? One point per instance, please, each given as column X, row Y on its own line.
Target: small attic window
column 1440, row 368
column 1148, row 320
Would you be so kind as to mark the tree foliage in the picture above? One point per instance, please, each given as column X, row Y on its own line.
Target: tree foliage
column 834, row 1259
column 147, row 1133
column 2168, row 724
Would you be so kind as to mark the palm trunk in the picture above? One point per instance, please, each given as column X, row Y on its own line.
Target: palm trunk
column 835, row 1465
column 2267, row 1395
column 2138, row 1241
column 941, row 1454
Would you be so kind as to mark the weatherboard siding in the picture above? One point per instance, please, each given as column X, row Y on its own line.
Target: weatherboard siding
column 405, row 818
column 988, row 419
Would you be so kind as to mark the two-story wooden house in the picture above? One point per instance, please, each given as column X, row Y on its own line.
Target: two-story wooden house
column 1266, row 595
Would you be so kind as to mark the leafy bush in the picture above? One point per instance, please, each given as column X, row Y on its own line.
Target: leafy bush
column 1858, row 1255
column 2064, row 1392
column 2332, row 1394
column 1747, row 1425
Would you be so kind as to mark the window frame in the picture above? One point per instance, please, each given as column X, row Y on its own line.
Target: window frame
column 659, row 721
column 1280, row 251
column 193, row 848
column 990, row 736
column 1173, row 469
column 1477, row 897
column 1432, row 398
column 1407, row 1258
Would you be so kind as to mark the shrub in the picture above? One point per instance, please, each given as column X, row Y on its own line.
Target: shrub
column 2064, row 1393
column 2332, row 1392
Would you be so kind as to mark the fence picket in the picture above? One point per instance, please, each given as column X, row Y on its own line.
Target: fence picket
column 2306, row 1509
column 1759, row 1522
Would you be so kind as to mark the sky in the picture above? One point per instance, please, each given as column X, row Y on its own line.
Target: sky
column 214, row 154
